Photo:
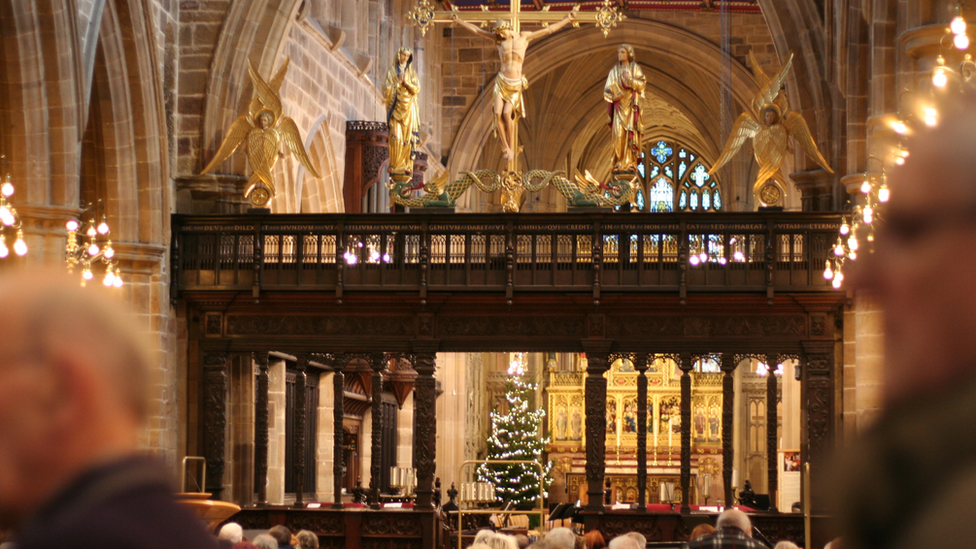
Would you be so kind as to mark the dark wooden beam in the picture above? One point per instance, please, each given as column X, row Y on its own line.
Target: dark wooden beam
column 640, row 364
column 338, row 449
column 425, row 423
column 595, row 404
column 772, row 429
column 376, row 457
column 729, row 364
column 261, row 428
column 301, row 409
column 685, row 364
column 214, row 419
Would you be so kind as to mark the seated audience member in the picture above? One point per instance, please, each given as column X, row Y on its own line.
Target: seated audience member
column 702, row 530
column 786, row 545
column 594, row 540
column 639, row 538
column 307, row 540
column 502, row 541
column 231, row 532
column 522, row 540
column 833, row 544
column 483, row 536
column 265, row 541
column 282, row 535
column 561, row 538
column 74, row 396
column 732, row 529
column 244, row 545
column 623, row 542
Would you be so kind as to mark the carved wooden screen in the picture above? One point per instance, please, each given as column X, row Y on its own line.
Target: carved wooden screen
column 311, row 431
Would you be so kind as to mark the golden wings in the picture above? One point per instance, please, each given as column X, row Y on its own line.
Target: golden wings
column 261, row 130
column 770, row 137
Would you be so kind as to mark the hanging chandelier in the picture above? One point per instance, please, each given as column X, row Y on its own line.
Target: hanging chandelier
column 9, row 218
column 96, row 249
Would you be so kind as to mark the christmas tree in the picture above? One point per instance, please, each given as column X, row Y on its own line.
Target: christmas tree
column 515, row 436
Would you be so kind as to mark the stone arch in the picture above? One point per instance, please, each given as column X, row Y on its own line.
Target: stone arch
column 253, row 30
column 40, row 90
column 123, row 146
column 323, row 194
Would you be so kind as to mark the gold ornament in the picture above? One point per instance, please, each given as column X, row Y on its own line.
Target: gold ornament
column 770, row 124
column 262, row 129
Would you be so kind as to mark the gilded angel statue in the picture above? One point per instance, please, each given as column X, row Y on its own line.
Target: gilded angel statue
column 261, row 130
column 770, row 124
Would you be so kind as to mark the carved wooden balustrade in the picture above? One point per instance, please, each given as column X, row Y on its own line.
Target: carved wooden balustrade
column 583, row 252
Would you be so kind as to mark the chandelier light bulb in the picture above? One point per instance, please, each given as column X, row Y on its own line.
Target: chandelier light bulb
column 91, row 231
column 870, row 237
column 703, row 257
column 103, row 228
column 387, row 258
column 7, row 189
column 738, row 256
column 4, row 251
column 866, row 187
column 958, row 25
column 852, row 256
column 93, row 250
column 883, row 193
column 374, row 256
column 694, row 260
column 931, row 116
column 961, row 41
column 852, row 243
column 899, row 127
column 117, row 281
column 20, row 247
column 828, row 272
column 939, row 78
column 722, row 261
column 845, row 228
column 838, row 280
column 868, row 215
column 87, row 274
column 72, row 225
column 109, row 279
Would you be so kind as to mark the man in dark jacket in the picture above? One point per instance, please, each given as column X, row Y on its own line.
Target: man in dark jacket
column 74, row 385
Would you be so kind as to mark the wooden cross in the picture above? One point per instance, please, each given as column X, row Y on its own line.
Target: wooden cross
column 424, row 15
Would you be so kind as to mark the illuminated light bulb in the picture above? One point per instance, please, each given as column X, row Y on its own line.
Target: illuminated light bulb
column 87, row 274
column 900, row 161
column 958, row 25
column 722, row 261
column 694, row 260
column 387, row 258
column 20, row 247
column 899, row 127
column 109, row 279
column 7, row 189
column 931, row 116
column 852, row 256
column 91, row 231
column 828, row 272
column 5, row 214
column 72, row 225
column 866, row 187
column 883, row 193
column 852, row 243
column 961, row 41
column 839, row 250
column 703, row 257
column 359, row 244
column 93, row 250
column 4, row 251
column 374, row 256
column 109, row 251
column 838, row 280
column 117, row 281
column 871, row 237
column 939, row 78
column 351, row 258
column 845, row 228
column 739, row 256
column 868, row 215
column 103, row 228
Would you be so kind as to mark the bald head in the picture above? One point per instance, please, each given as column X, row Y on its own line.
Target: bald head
column 73, row 385
column 922, row 272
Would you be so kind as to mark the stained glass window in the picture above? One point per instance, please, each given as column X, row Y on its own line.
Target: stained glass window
column 674, row 173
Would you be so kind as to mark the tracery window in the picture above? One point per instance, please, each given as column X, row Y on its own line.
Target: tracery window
column 676, row 178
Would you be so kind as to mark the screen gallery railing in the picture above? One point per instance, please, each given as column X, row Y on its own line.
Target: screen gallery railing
column 578, row 252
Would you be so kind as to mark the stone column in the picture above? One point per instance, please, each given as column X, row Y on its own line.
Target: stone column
column 772, row 429
column 685, row 365
column 261, row 429
column 640, row 364
column 338, row 387
column 595, row 402
column 214, row 418
column 425, row 424
column 816, row 189
column 376, row 455
column 301, row 410
column 729, row 363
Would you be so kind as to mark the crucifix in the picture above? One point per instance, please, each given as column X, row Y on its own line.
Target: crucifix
column 510, row 83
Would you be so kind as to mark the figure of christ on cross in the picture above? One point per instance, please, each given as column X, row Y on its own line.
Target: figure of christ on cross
column 510, row 84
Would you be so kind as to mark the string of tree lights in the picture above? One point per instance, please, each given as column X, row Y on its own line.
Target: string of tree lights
column 515, row 435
